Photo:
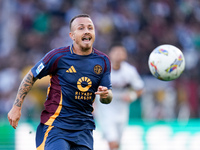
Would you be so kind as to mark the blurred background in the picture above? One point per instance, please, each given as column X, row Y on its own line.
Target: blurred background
column 165, row 117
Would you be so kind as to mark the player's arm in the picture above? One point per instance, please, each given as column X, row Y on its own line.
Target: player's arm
column 25, row 86
column 132, row 95
column 139, row 92
column 105, row 94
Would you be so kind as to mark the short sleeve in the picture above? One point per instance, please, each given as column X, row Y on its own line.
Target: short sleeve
column 46, row 66
column 136, row 80
column 106, row 79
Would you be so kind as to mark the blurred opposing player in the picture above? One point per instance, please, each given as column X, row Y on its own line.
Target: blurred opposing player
column 78, row 73
column 127, row 86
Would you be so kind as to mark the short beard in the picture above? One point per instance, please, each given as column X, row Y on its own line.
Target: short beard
column 85, row 49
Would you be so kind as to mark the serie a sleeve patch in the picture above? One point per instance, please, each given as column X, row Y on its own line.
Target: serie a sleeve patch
column 39, row 68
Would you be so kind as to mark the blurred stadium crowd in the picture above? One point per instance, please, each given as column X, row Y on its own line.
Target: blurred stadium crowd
column 30, row 28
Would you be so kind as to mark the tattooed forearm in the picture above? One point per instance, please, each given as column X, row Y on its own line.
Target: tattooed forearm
column 18, row 103
column 24, row 88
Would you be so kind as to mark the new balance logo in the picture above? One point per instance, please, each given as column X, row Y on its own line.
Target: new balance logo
column 71, row 70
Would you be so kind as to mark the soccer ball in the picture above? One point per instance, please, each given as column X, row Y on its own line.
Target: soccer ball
column 166, row 62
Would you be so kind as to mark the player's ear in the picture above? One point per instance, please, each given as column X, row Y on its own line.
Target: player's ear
column 71, row 35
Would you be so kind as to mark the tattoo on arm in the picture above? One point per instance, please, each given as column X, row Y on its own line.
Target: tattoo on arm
column 24, row 88
column 18, row 103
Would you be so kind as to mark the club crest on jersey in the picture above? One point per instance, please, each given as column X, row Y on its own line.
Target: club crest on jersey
column 98, row 69
column 39, row 68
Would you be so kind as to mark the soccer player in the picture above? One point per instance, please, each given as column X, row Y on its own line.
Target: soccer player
column 78, row 73
column 127, row 86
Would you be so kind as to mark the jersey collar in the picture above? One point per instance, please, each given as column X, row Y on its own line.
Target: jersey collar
column 72, row 52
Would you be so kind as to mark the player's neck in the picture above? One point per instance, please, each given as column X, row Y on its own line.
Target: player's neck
column 79, row 51
column 116, row 66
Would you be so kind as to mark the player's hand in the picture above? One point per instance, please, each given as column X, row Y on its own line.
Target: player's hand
column 102, row 91
column 126, row 98
column 14, row 116
column 130, row 97
column 105, row 94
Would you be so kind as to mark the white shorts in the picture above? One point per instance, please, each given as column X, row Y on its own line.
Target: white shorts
column 112, row 129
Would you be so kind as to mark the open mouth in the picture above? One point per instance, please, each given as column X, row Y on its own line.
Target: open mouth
column 86, row 39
